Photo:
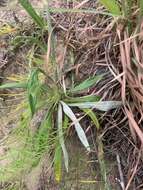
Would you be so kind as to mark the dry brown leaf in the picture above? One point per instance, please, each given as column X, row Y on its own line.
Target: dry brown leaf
column 134, row 125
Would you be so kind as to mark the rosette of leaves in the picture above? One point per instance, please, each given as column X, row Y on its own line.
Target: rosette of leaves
column 57, row 101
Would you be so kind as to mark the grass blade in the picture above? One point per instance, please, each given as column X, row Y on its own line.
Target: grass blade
column 58, row 163
column 78, row 128
column 32, row 104
column 90, row 98
column 102, row 106
column 86, row 84
column 33, row 85
column 31, row 11
column 112, row 6
column 14, row 85
column 61, row 138
column 93, row 117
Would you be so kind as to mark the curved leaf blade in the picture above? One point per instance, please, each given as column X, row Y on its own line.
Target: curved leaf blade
column 32, row 104
column 102, row 105
column 78, row 128
column 86, row 84
column 61, row 136
column 14, row 85
column 31, row 11
column 93, row 117
column 89, row 98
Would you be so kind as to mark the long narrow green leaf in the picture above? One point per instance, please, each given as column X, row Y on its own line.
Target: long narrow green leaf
column 33, row 79
column 93, row 117
column 86, row 84
column 102, row 106
column 61, row 136
column 14, row 85
column 31, row 11
column 78, row 128
column 112, row 6
column 32, row 87
column 90, row 98
column 58, row 163
column 32, row 104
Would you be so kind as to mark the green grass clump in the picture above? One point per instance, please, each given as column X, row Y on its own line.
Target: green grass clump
column 126, row 10
column 48, row 92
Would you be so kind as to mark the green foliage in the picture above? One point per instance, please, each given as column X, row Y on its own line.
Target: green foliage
column 14, row 85
column 50, row 96
column 44, row 92
column 128, row 8
column 140, row 4
column 86, row 84
column 31, row 11
column 61, row 136
column 58, row 163
column 41, row 138
column 93, row 117
column 33, row 88
column 112, row 6
column 101, row 105
column 80, row 132
column 29, row 40
column 89, row 98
